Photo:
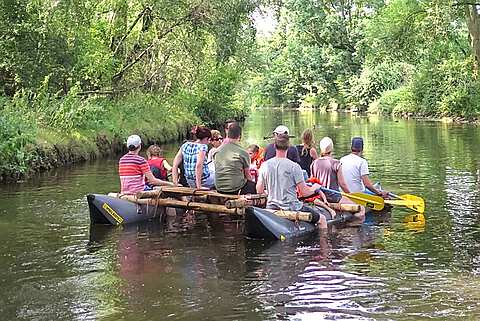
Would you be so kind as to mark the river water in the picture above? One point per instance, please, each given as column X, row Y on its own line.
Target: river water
column 55, row 266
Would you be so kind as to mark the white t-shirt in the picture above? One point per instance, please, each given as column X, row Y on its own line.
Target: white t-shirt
column 353, row 168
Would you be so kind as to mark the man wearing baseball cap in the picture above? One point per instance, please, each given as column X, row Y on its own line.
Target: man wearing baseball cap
column 133, row 169
column 292, row 152
column 355, row 170
column 280, row 178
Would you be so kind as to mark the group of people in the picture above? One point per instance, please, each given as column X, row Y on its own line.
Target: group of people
column 286, row 173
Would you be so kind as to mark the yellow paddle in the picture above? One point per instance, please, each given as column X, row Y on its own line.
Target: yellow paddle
column 413, row 202
column 373, row 202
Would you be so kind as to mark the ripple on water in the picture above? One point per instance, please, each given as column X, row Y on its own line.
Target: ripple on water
column 325, row 292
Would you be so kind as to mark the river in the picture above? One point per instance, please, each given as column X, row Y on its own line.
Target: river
column 55, row 266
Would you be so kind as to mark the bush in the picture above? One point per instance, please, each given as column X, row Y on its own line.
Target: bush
column 448, row 88
column 396, row 101
column 16, row 137
column 373, row 81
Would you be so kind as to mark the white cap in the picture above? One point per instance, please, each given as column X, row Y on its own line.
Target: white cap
column 326, row 145
column 281, row 130
column 134, row 140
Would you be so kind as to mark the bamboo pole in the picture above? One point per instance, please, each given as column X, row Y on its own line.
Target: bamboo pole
column 185, row 191
column 293, row 215
column 169, row 202
column 178, row 190
column 244, row 202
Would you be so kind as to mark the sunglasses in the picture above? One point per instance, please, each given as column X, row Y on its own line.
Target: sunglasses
column 217, row 139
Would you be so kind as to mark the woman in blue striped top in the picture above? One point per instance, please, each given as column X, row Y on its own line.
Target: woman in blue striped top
column 194, row 157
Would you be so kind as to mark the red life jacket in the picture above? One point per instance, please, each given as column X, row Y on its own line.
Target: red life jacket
column 311, row 199
column 158, row 163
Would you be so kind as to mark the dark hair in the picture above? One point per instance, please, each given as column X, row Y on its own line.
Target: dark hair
column 201, row 132
column 254, row 148
column 131, row 148
column 227, row 123
column 234, row 130
column 282, row 142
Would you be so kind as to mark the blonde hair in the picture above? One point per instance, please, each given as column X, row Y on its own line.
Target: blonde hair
column 215, row 133
column 154, row 150
column 307, row 140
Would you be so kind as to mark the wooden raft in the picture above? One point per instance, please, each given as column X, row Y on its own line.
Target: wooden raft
column 214, row 202
column 189, row 205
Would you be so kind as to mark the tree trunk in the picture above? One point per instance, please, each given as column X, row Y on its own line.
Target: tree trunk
column 473, row 24
column 119, row 26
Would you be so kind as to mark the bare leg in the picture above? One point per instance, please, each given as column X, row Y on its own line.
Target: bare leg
column 322, row 223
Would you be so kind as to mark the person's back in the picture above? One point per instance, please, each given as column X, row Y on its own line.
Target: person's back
column 353, row 168
column 190, row 151
column 270, row 150
column 157, row 167
column 132, row 169
column 280, row 177
column 231, row 160
column 326, row 169
column 305, row 158
column 292, row 153
column 306, row 152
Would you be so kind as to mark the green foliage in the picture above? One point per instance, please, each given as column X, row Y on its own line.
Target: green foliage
column 396, row 101
column 212, row 99
column 390, row 56
column 16, row 139
column 315, row 46
column 447, row 89
column 74, row 69
column 73, row 125
column 248, row 94
column 119, row 45
column 373, row 81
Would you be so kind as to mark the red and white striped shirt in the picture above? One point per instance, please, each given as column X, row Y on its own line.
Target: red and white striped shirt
column 132, row 169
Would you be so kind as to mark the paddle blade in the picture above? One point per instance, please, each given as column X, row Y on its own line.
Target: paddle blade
column 414, row 202
column 415, row 222
column 373, row 202
column 416, row 206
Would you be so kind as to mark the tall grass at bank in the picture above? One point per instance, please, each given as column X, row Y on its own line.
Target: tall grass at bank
column 42, row 131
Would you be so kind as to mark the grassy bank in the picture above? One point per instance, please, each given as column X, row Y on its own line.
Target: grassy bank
column 45, row 132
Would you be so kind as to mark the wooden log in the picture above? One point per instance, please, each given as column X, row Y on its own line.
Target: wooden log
column 184, row 191
column 293, row 215
column 244, row 202
column 169, row 202
column 352, row 208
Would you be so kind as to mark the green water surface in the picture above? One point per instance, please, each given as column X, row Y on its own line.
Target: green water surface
column 55, row 266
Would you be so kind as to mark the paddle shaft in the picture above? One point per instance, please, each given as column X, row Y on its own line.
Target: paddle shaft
column 394, row 195
column 371, row 201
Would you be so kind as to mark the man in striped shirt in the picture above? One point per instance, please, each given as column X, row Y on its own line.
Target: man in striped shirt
column 133, row 169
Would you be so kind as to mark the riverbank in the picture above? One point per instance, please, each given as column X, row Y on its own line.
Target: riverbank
column 46, row 133
column 417, row 115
